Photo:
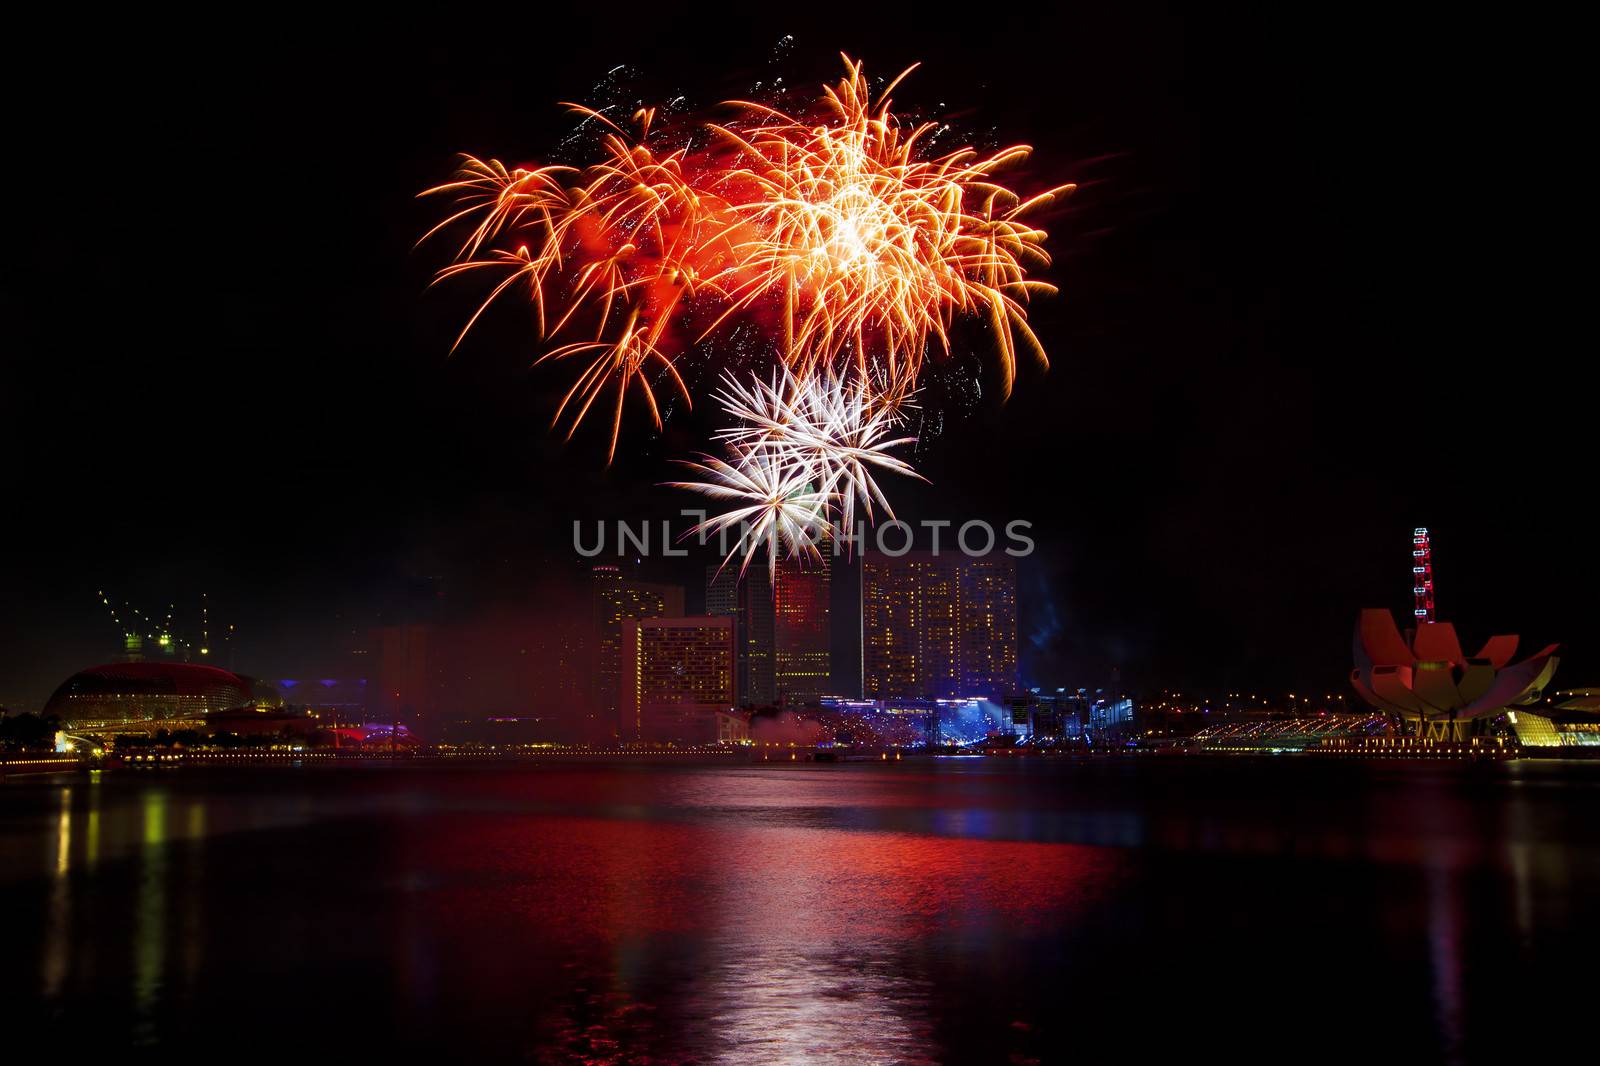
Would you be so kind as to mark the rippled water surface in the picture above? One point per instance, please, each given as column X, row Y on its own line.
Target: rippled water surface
column 955, row 910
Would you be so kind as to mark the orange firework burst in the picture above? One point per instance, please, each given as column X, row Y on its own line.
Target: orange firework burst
column 867, row 246
column 873, row 249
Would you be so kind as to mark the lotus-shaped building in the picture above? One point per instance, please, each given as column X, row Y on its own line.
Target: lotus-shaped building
column 1428, row 681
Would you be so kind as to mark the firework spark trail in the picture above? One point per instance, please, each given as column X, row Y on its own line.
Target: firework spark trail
column 838, row 225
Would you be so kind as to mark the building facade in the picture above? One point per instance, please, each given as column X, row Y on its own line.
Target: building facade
column 802, row 631
column 938, row 626
column 747, row 599
column 677, row 681
column 618, row 600
column 127, row 693
column 987, row 613
column 722, row 590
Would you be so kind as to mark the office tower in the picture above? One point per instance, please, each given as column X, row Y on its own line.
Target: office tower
column 757, row 684
column 802, row 654
column 747, row 600
column 938, row 626
column 616, row 600
column 910, row 626
column 677, row 676
column 722, row 590
column 988, row 627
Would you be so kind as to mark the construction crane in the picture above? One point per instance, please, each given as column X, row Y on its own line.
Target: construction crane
column 138, row 630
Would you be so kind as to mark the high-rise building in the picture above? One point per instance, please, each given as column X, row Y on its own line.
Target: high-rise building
column 988, row 633
column 757, row 682
column 722, row 590
column 802, row 635
column 677, row 679
column 938, row 626
column 747, row 599
column 616, row 600
column 910, row 626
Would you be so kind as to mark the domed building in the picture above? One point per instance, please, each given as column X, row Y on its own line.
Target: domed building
column 124, row 693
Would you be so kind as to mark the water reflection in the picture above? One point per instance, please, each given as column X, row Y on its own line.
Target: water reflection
column 59, row 923
column 779, row 1003
column 819, row 914
column 820, row 957
column 150, row 915
column 91, row 857
column 192, row 911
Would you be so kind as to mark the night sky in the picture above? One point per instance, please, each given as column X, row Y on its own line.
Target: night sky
column 1311, row 298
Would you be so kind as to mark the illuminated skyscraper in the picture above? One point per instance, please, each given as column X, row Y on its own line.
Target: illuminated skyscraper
column 938, row 626
column 677, row 677
column 802, row 653
column 748, row 601
column 988, row 621
column 618, row 600
column 909, row 626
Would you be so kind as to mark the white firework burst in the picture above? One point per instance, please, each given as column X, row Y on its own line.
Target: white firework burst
column 775, row 505
column 803, row 453
column 834, row 427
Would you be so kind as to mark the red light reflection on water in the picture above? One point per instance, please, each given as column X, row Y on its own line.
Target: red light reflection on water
column 747, row 943
column 605, row 879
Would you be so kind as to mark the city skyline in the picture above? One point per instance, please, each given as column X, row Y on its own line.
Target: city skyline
column 796, row 535
column 384, row 652
column 1213, row 462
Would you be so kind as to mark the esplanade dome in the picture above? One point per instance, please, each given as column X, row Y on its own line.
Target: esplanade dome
column 147, row 691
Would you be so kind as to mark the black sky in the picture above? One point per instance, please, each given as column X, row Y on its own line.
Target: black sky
column 1314, row 293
